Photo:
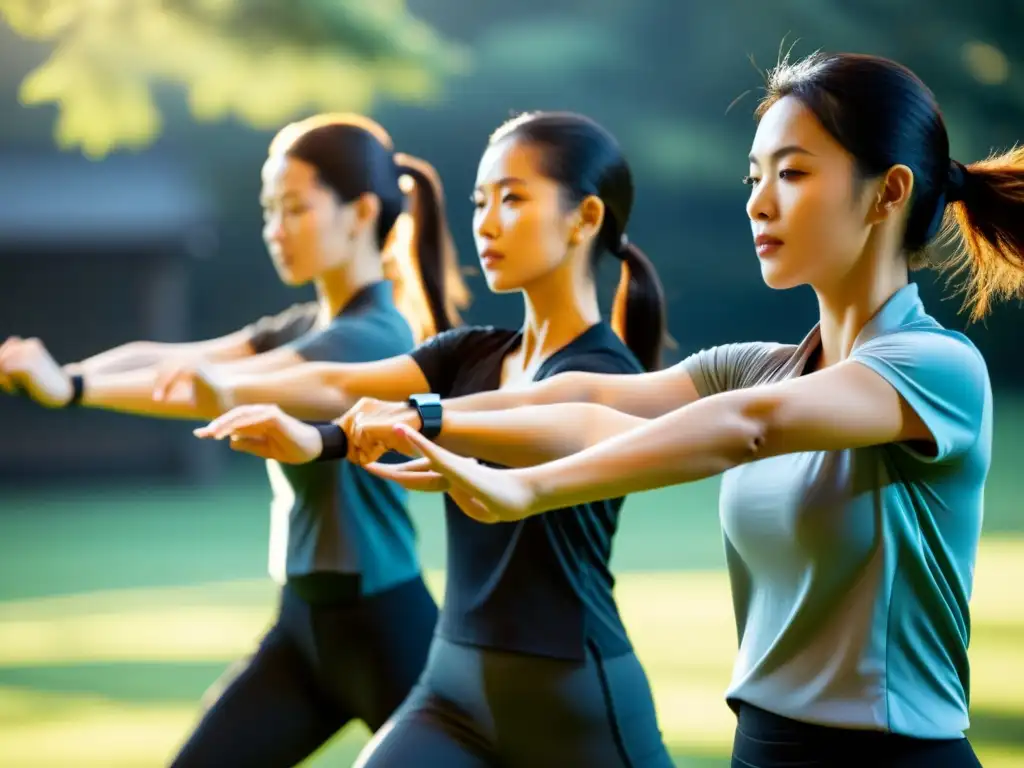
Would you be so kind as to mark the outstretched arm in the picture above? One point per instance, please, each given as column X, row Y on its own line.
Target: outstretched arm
column 325, row 390
column 29, row 366
column 500, row 426
column 136, row 355
column 646, row 394
column 697, row 441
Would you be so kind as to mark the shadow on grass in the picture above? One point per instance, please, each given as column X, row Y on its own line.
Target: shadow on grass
column 996, row 729
column 124, row 682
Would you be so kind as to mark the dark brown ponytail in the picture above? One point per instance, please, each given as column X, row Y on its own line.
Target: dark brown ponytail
column 638, row 312
column 986, row 213
column 432, row 253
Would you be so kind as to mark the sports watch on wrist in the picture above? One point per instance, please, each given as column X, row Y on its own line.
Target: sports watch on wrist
column 428, row 406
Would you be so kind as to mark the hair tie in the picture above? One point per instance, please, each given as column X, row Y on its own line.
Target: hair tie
column 956, row 183
column 620, row 251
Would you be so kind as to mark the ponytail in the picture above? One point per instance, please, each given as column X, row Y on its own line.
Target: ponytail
column 986, row 210
column 638, row 312
column 431, row 254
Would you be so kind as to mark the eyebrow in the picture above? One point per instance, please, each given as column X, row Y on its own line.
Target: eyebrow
column 781, row 152
column 283, row 197
column 502, row 182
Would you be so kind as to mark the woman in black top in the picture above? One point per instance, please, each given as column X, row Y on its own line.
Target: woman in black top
column 356, row 618
column 531, row 665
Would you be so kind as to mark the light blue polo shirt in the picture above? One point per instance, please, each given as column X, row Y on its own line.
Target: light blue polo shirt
column 851, row 570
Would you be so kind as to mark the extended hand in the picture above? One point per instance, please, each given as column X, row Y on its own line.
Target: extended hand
column 26, row 364
column 191, row 381
column 370, row 428
column 485, row 494
column 266, row 431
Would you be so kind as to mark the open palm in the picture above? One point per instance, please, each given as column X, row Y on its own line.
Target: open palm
column 485, row 494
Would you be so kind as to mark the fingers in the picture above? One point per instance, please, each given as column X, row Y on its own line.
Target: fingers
column 416, row 465
column 5, row 349
column 472, row 506
column 255, row 445
column 444, row 461
column 428, row 482
column 7, row 384
column 371, row 433
column 169, row 380
column 237, row 418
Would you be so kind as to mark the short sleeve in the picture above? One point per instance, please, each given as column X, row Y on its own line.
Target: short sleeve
column 441, row 357
column 942, row 376
column 275, row 331
column 734, row 366
column 601, row 361
column 363, row 339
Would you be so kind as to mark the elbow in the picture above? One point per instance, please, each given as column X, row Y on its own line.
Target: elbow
column 751, row 427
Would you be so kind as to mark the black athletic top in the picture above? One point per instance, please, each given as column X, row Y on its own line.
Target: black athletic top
column 542, row 585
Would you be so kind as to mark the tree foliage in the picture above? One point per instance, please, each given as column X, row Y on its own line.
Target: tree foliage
column 262, row 61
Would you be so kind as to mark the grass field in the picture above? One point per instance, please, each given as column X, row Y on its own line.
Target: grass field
column 120, row 605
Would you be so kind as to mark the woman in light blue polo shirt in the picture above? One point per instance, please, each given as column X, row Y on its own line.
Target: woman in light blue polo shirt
column 854, row 461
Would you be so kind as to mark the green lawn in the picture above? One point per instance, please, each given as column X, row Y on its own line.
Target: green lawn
column 119, row 606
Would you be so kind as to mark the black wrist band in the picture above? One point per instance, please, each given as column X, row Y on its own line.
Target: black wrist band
column 430, row 411
column 77, row 390
column 335, row 442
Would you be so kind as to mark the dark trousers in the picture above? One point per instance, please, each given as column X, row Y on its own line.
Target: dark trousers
column 318, row 667
column 766, row 740
column 476, row 707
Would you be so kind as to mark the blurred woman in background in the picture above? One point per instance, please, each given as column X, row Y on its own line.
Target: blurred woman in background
column 355, row 619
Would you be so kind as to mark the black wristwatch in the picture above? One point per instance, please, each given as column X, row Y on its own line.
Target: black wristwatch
column 428, row 406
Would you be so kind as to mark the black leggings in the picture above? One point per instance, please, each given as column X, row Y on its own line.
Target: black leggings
column 315, row 670
column 766, row 740
column 476, row 707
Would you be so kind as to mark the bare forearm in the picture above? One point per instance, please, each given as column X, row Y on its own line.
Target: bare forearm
column 325, row 391
column 127, row 357
column 564, row 388
column 645, row 395
column 526, row 436
column 692, row 443
column 137, row 355
column 307, row 391
column 132, row 392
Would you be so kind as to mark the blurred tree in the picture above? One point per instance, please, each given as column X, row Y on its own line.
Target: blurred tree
column 263, row 61
column 663, row 74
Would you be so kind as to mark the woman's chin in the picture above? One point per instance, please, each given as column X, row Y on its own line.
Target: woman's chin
column 498, row 283
column 291, row 278
column 776, row 278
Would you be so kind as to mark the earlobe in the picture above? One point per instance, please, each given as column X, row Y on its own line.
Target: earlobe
column 591, row 217
column 893, row 194
column 898, row 187
column 367, row 208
